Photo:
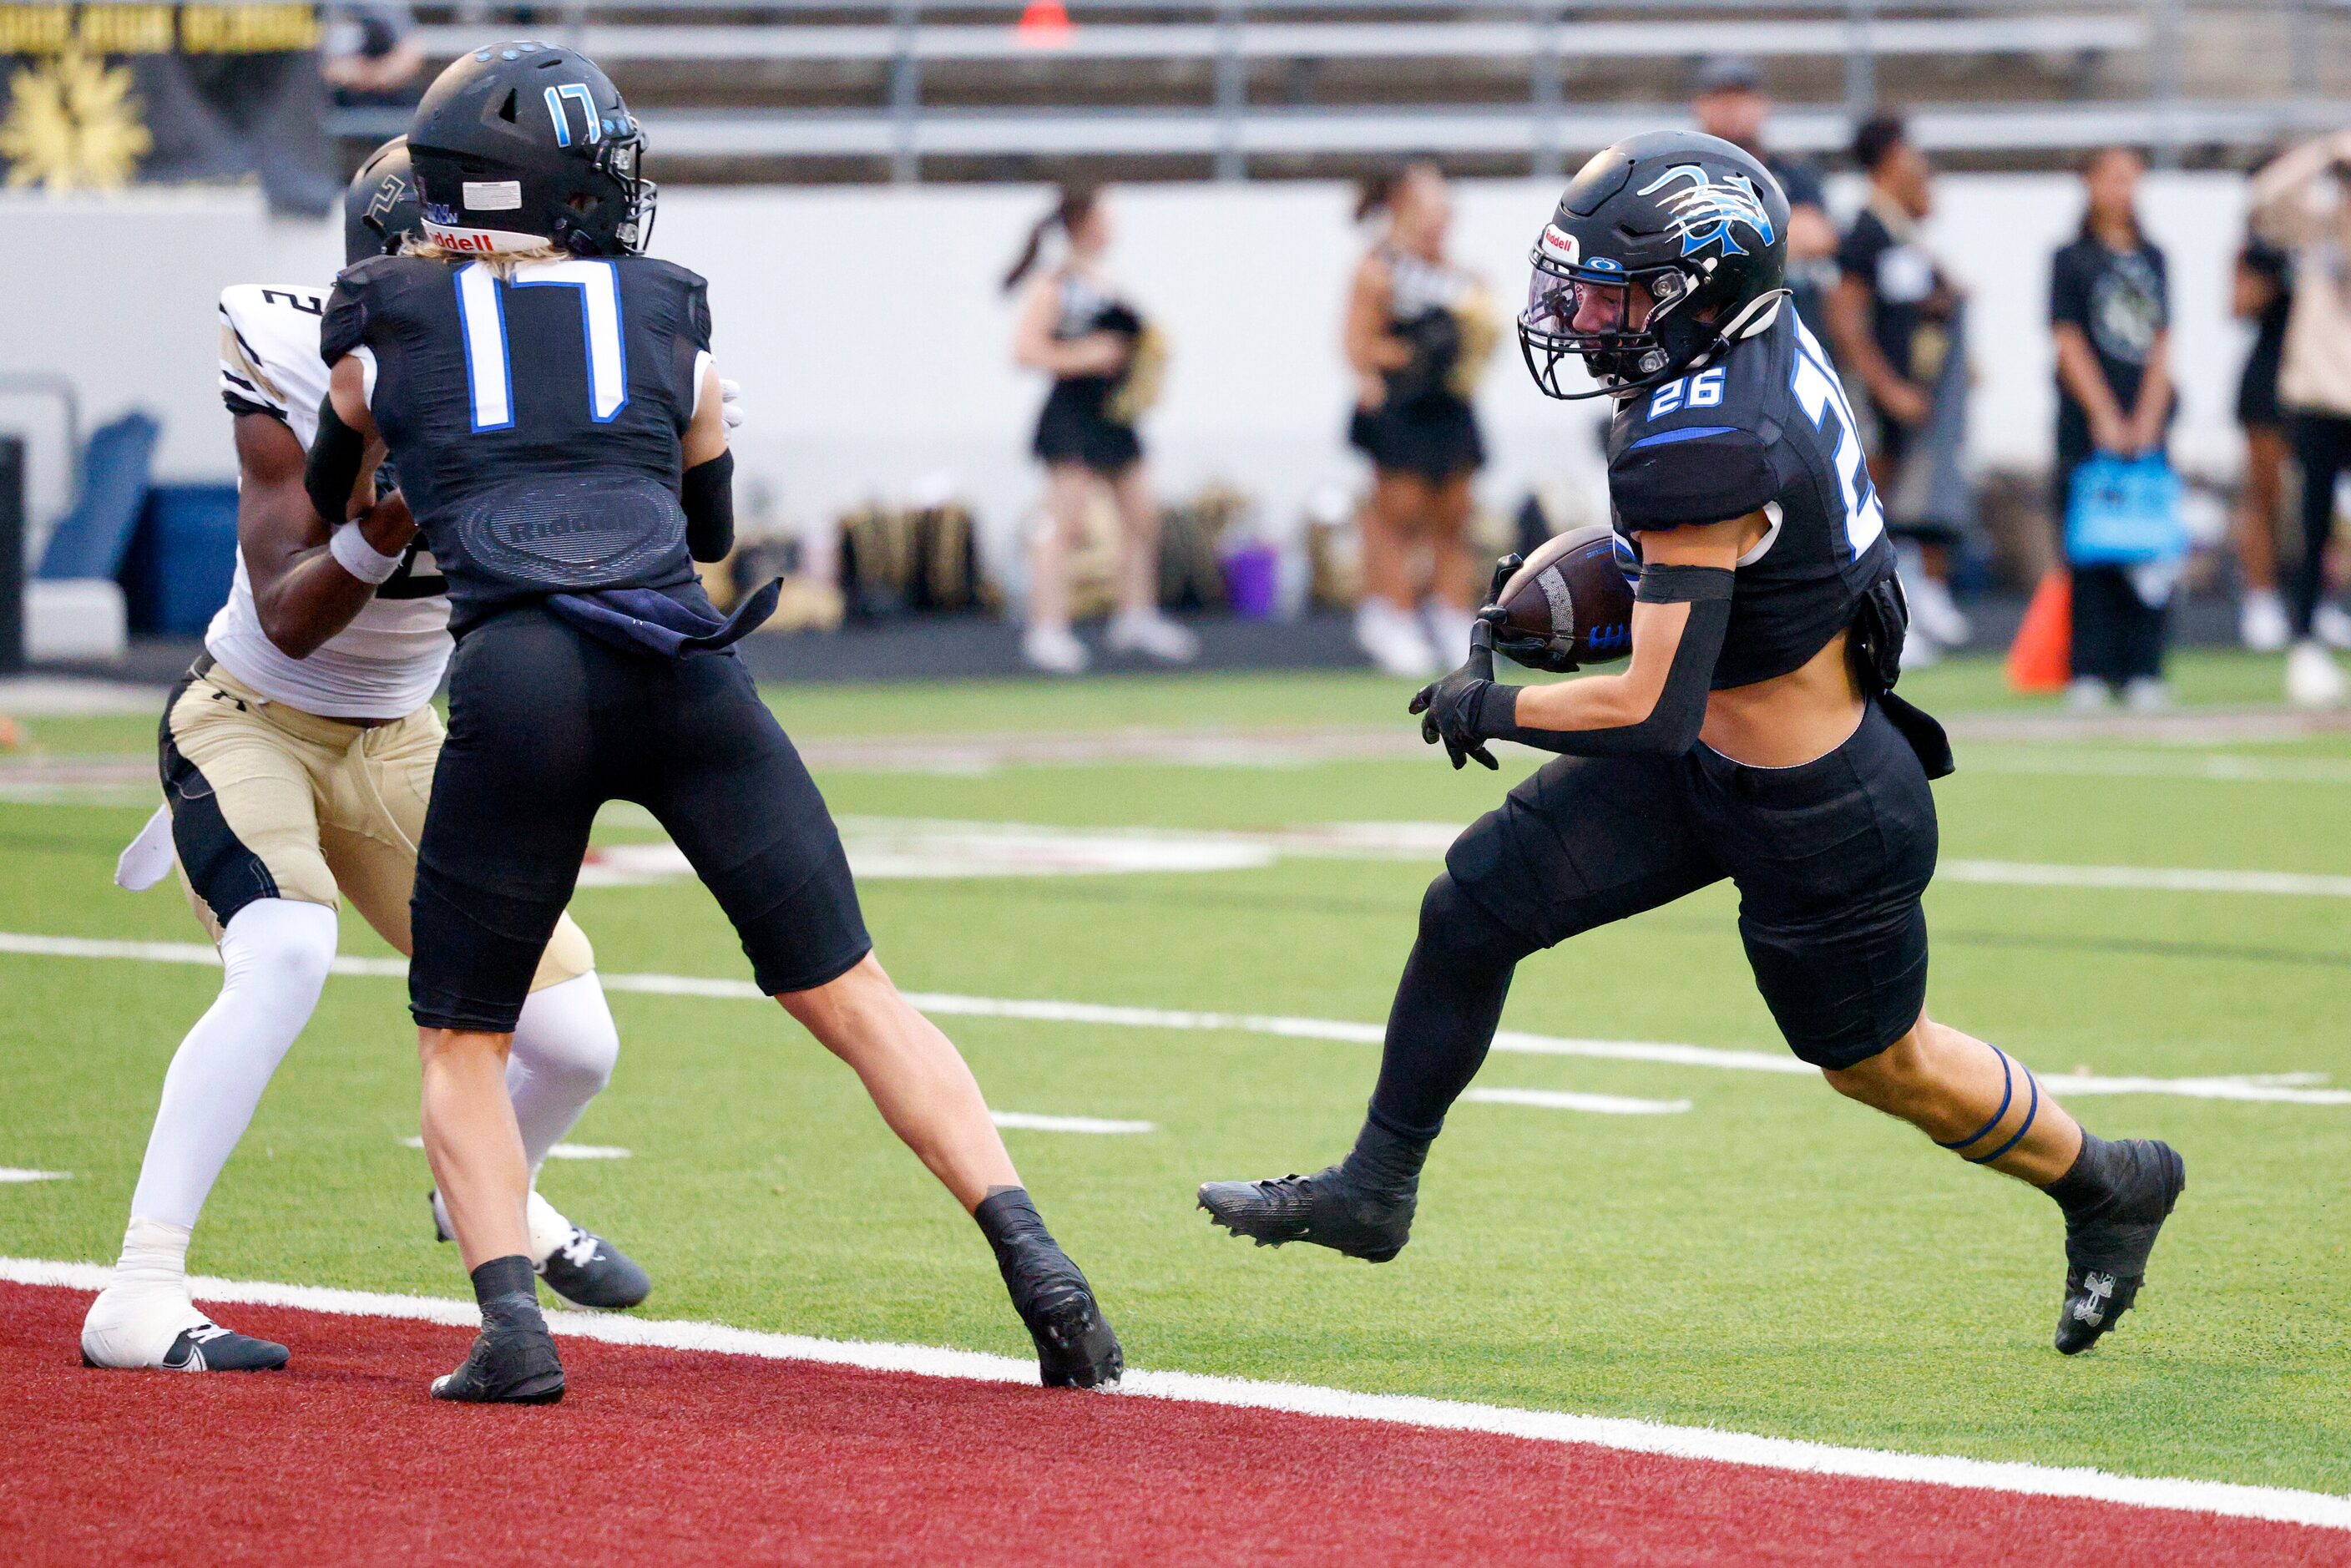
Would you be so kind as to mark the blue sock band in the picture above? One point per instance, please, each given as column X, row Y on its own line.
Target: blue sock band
column 2007, row 1092
column 2032, row 1110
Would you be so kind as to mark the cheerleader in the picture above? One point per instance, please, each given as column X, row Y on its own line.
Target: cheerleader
column 1419, row 331
column 1105, row 362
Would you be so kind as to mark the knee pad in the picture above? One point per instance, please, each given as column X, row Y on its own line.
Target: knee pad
column 281, row 945
column 566, row 1032
column 1456, row 924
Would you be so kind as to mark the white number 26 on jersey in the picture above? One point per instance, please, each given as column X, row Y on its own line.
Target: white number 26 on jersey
column 1703, row 389
column 489, row 368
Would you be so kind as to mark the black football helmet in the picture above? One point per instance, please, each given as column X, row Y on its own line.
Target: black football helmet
column 524, row 144
column 1697, row 221
column 379, row 206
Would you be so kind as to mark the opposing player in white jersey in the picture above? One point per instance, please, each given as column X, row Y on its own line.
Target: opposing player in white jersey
column 298, row 756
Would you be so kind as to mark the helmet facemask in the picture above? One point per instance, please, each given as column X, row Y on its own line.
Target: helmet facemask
column 1620, row 357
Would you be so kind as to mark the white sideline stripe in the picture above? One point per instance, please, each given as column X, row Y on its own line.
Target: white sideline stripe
column 2287, row 1089
column 16, row 1174
column 2228, row 1498
column 1030, row 1122
column 2156, row 879
column 1561, row 1100
column 557, row 1152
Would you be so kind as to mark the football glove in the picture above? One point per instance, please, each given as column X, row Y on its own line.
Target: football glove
column 1458, row 709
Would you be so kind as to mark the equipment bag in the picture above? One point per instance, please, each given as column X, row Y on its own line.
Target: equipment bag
column 2123, row 512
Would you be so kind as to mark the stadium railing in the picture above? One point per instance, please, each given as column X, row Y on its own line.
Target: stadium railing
column 896, row 82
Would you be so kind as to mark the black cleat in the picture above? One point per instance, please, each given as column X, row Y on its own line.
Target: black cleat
column 587, row 1271
column 1075, row 1345
column 208, row 1347
column 2106, row 1256
column 508, row 1366
column 590, row 1271
column 1329, row 1208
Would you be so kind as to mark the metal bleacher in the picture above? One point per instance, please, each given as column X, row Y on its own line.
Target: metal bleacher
column 980, row 89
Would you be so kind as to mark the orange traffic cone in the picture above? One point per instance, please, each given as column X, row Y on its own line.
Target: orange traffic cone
column 2042, row 657
column 1044, row 22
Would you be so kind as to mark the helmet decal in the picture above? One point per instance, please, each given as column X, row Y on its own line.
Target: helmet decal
column 586, row 100
column 1557, row 242
column 1706, row 209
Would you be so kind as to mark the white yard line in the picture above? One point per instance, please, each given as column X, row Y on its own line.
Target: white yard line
column 1028, row 1120
column 14, row 1174
column 2152, row 879
column 558, row 1152
column 1624, row 1434
column 2290, row 1089
column 1561, row 1100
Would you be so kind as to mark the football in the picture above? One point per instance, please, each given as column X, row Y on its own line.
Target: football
column 1570, row 602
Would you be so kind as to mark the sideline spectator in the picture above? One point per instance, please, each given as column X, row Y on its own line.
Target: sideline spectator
column 2262, row 293
column 1418, row 332
column 2110, row 311
column 1730, row 102
column 2300, row 204
column 1895, row 319
column 1105, row 360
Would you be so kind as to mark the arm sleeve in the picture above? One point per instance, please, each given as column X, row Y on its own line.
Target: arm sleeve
column 333, row 464
column 1695, row 475
column 1672, row 725
column 707, row 493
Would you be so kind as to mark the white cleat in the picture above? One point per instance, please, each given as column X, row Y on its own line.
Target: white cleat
column 2331, row 625
column 2086, row 694
column 2262, row 624
column 140, row 1327
column 2312, row 680
column 1394, row 641
column 2146, row 693
column 1054, row 649
column 1152, row 634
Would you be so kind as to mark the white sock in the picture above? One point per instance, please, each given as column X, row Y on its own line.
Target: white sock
column 275, row 954
column 136, row 1318
column 564, row 1047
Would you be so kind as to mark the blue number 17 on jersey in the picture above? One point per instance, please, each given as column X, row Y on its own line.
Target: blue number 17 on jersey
column 489, row 368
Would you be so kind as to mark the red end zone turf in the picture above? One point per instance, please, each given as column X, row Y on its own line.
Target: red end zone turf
column 684, row 1456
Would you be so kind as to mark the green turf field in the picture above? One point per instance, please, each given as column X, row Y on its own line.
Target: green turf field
column 1771, row 1259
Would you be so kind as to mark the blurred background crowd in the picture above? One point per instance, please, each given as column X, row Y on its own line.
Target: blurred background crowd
column 1125, row 334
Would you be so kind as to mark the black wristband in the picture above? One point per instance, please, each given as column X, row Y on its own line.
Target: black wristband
column 1684, row 584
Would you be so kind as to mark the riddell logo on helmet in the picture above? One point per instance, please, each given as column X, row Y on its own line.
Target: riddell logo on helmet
column 1561, row 244
column 460, row 239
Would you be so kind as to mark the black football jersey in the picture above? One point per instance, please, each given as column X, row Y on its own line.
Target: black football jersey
column 536, row 421
column 1767, row 428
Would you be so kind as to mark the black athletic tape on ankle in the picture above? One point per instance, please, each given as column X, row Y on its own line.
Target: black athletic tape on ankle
column 1683, row 584
column 2007, row 1092
column 2033, row 1109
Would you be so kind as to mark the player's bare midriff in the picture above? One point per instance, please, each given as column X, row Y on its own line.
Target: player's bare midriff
column 1790, row 720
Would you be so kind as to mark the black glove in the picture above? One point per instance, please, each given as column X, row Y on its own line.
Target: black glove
column 1534, row 652
column 1458, row 709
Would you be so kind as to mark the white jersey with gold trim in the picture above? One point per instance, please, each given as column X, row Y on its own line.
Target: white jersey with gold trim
column 387, row 663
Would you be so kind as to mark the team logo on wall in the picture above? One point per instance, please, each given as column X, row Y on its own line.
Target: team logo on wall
column 1707, row 206
column 72, row 124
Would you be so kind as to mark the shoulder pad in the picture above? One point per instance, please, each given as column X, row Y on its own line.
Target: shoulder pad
column 1691, row 474
column 269, row 336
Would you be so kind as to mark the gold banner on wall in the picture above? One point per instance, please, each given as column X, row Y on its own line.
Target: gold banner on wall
column 97, row 97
